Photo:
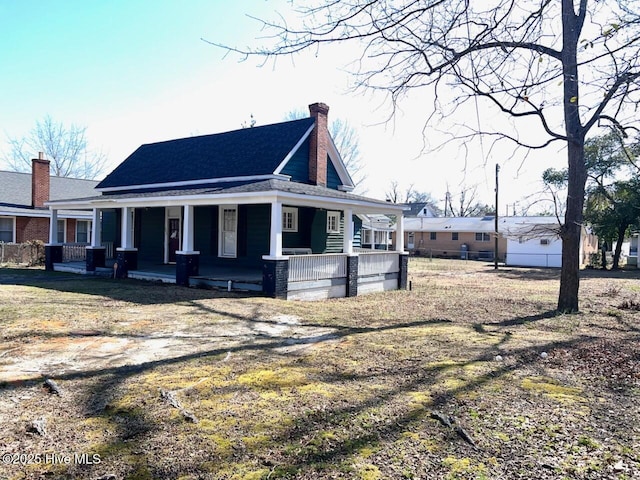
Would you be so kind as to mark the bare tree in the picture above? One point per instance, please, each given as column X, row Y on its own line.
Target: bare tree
column 466, row 204
column 556, row 67
column 65, row 147
column 398, row 194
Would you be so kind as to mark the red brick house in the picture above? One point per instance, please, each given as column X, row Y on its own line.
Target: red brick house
column 23, row 215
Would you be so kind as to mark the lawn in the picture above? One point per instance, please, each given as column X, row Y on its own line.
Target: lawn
column 470, row 374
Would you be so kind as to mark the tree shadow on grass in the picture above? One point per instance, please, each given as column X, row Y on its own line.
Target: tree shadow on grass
column 308, row 429
column 301, row 447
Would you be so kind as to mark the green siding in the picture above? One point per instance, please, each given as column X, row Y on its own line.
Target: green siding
column 301, row 238
column 258, row 221
column 298, row 164
column 205, row 222
column 335, row 241
column 111, row 227
column 323, row 242
column 333, row 180
column 150, row 234
column 254, row 223
column 298, row 168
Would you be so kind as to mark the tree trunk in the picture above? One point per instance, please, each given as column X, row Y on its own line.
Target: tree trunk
column 616, row 254
column 572, row 231
column 572, row 228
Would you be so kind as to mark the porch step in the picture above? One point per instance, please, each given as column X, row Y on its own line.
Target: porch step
column 224, row 284
column 67, row 268
column 81, row 270
column 152, row 276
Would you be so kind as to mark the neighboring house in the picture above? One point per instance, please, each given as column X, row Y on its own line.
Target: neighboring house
column 376, row 231
column 453, row 237
column 245, row 199
column 23, row 214
column 535, row 242
column 522, row 241
column 420, row 210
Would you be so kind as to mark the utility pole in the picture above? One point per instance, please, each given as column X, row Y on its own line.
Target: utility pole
column 495, row 249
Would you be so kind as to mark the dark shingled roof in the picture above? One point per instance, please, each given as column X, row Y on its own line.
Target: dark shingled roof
column 249, row 151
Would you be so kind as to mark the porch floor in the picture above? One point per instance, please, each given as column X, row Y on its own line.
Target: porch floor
column 209, row 275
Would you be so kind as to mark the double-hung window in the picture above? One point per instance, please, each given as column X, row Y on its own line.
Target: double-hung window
column 6, row 229
column 83, row 232
column 62, row 231
column 333, row 222
column 289, row 219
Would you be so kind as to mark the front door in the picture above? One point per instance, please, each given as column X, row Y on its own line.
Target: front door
column 174, row 238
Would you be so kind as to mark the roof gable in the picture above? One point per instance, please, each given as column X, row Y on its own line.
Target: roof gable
column 246, row 152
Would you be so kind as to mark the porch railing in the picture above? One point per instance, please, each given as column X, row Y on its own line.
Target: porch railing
column 317, row 267
column 376, row 263
column 74, row 252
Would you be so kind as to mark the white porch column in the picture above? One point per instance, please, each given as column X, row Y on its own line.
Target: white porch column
column 275, row 241
column 96, row 229
column 188, row 229
column 126, row 239
column 53, row 227
column 348, row 231
column 400, row 233
column 373, row 237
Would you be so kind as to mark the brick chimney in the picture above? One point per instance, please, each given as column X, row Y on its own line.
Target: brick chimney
column 40, row 181
column 318, row 145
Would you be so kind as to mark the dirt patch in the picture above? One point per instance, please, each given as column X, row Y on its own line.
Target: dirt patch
column 61, row 352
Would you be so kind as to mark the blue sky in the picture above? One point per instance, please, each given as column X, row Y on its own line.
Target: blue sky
column 136, row 71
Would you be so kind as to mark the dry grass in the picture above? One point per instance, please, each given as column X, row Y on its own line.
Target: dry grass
column 344, row 388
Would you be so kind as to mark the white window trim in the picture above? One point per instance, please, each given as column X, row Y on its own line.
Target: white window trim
column 485, row 237
column 221, row 253
column 88, row 222
column 13, row 228
column 293, row 211
column 333, row 217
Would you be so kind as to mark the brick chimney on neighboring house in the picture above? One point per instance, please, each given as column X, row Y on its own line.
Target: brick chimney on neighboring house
column 318, row 145
column 40, row 182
